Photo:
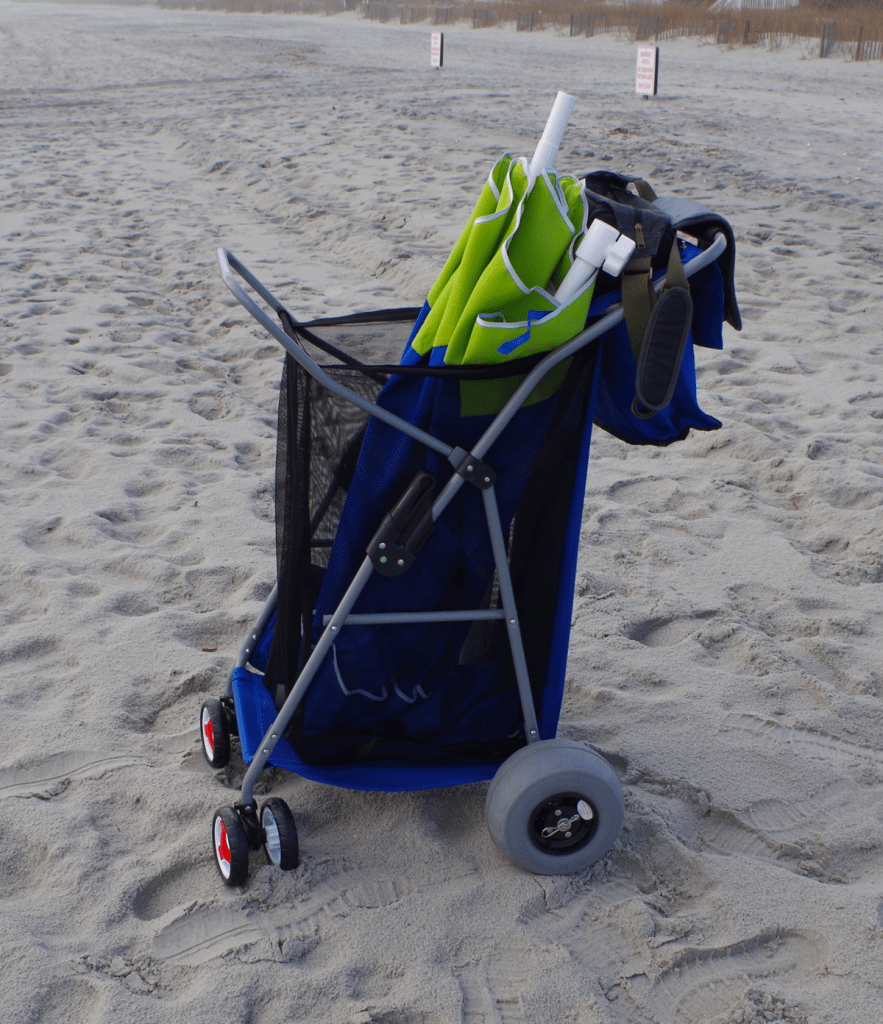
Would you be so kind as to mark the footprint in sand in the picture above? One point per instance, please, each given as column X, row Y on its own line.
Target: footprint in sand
column 754, row 730
column 207, row 933
column 170, row 889
column 210, row 405
column 491, row 989
column 665, row 632
column 702, row 983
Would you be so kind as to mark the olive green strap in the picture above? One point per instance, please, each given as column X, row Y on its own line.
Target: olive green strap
column 644, row 190
column 638, row 297
column 675, row 276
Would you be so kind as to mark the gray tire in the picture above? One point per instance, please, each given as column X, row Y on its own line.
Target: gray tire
column 280, row 843
column 555, row 807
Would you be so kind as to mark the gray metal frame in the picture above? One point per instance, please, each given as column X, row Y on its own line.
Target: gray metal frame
column 231, row 266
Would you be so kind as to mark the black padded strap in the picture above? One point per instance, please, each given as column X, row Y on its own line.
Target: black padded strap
column 662, row 351
column 639, row 296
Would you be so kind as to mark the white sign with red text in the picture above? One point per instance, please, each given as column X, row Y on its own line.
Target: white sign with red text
column 647, row 75
column 437, row 49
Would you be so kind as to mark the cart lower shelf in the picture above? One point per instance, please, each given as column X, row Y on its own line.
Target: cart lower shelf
column 256, row 712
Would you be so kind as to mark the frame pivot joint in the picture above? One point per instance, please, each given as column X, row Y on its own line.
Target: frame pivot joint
column 473, row 469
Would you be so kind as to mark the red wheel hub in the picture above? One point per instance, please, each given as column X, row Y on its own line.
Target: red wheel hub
column 208, row 733
column 222, row 846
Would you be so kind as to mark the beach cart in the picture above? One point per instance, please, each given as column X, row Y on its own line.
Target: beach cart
column 428, row 519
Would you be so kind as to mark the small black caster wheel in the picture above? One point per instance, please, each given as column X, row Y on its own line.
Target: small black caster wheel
column 215, row 732
column 555, row 807
column 280, row 844
column 230, row 845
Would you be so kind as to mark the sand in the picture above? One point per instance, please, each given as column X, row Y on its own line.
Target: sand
column 729, row 613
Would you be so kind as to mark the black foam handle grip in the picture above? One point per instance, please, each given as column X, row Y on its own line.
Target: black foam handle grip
column 662, row 350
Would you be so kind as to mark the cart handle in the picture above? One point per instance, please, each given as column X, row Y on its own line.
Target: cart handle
column 229, row 265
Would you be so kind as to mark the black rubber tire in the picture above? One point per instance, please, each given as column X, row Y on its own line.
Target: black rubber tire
column 230, row 845
column 281, row 844
column 533, row 786
column 214, row 733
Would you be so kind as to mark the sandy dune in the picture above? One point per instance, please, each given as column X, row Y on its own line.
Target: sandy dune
column 729, row 618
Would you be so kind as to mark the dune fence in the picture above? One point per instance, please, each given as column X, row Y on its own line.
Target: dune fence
column 851, row 31
column 263, row 6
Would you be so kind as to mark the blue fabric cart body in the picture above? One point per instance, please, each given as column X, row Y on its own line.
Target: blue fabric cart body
column 411, row 705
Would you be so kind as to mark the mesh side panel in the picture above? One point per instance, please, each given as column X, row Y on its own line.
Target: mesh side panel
column 318, row 443
column 368, row 342
column 337, row 431
column 291, row 514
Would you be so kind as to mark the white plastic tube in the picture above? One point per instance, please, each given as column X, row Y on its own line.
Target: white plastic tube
column 602, row 246
column 550, row 142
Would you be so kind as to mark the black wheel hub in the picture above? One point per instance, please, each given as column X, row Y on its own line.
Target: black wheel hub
column 563, row 823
